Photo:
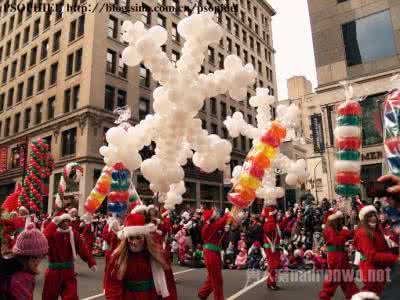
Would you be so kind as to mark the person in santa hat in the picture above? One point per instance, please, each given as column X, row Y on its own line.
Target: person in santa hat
column 376, row 257
column 340, row 272
column 272, row 237
column 365, row 296
column 212, row 234
column 64, row 245
column 75, row 223
column 137, row 265
column 88, row 231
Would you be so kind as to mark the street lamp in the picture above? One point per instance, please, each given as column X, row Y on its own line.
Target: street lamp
column 315, row 181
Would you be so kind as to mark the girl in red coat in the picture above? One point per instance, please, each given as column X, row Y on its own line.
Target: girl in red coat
column 212, row 234
column 64, row 245
column 376, row 257
column 137, row 265
column 340, row 272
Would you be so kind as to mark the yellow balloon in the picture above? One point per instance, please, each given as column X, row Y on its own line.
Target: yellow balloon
column 269, row 151
column 249, row 181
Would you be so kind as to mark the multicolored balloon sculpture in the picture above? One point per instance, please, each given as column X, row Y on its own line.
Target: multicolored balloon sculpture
column 119, row 195
column 71, row 172
column 392, row 131
column 100, row 191
column 257, row 162
column 348, row 143
column 40, row 166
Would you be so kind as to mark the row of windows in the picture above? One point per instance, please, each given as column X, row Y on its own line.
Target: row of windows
column 111, row 64
column 77, row 29
column 110, row 103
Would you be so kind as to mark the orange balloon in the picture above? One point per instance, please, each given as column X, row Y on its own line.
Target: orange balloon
column 261, row 161
column 246, row 193
column 278, row 129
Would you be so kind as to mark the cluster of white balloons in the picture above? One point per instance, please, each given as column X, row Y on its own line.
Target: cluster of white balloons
column 289, row 117
column 174, row 128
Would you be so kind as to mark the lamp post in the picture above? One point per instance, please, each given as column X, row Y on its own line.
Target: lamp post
column 315, row 181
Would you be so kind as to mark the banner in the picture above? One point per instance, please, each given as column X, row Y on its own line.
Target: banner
column 3, row 160
column 318, row 133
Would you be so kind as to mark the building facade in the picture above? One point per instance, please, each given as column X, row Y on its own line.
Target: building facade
column 358, row 41
column 62, row 77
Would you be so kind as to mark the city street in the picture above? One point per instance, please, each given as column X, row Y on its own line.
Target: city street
column 236, row 284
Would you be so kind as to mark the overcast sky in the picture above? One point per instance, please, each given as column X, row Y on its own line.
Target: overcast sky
column 292, row 42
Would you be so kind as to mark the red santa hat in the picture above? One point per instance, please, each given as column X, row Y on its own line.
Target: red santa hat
column 366, row 210
column 365, row 296
column 73, row 210
column 135, row 225
column 140, row 209
column 208, row 214
column 62, row 217
column 336, row 215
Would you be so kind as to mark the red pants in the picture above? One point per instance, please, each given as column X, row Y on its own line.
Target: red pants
column 374, row 280
column 60, row 283
column 169, row 276
column 274, row 263
column 214, row 282
column 339, row 277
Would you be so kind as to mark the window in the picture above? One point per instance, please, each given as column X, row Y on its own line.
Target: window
column 237, row 50
column 229, row 44
column 223, row 110
column 243, row 143
column 17, row 120
column 38, row 113
column 244, row 36
column 210, row 55
column 75, row 97
column 78, row 60
column 260, row 83
column 251, row 43
column 5, row 74
column 29, row 7
column 20, row 91
column 36, row 27
column 250, row 119
column 67, row 100
column 70, row 64
column 111, row 61
column 259, row 67
column 175, row 34
column 19, row 17
column 233, row 109
column 51, row 107
column 369, row 39
column 253, row 61
column 121, row 98
column 26, row 34
column 45, row 49
column 371, row 110
column 3, row 29
column 175, row 4
column 258, row 48
column 144, row 108
column 68, row 141
column 2, row 99
column 112, row 27
column 162, row 21
column 47, row 20
column 109, row 98
column 7, row 129
column 242, row 16
column 213, row 103
column 8, row 48
column 220, row 60
column 53, row 74
column 146, row 14
column 122, row 68
column 214, row 128
column 13, row 69
column 81, row 26
column 174, row 56
column 16, row 41
column 59, row 10
column 33, row 56
column 245, row 56
column 204, row 124
column 40, row 85
column 1, row 53
column 256, row 29
column 228, row 23
column 250, row 22
column 144, row 76
column 236, row 29
column 56, row 41
column 224, row 133
column 27, row 117
column 10, row 99
column 29, row 88
column 22, row 65
column 72, row 30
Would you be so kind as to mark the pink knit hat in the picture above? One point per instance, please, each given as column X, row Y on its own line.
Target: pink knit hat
column 31, row 242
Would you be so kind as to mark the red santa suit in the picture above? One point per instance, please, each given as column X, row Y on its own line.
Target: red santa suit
column 376, row 257
column 144, row 278
column 110, row 243
column 272, row 238
column 340, row 272
column 212, row 234
column 88, row 234
column 64, row 245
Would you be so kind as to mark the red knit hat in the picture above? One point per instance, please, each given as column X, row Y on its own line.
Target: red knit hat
column 135, row 225
column 31, row 242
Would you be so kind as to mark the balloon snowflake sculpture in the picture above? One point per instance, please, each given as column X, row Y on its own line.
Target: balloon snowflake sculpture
column 174, row 127
column 288, row 117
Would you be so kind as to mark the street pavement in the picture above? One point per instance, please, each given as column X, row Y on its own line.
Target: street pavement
column 242, row 285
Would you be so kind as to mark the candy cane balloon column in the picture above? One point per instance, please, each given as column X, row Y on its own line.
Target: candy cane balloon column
column 348, row 143
column 100, row 191
column 257, row 162
column 72, row 172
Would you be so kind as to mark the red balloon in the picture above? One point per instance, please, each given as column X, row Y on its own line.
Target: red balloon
column 257, row 172
column 348, row 143
column 347, row 178
column 271, row 139
column 393, row 145
column 350, row 108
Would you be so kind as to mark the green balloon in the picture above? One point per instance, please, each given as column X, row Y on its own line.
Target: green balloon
column 348, row 120
column 348, row 155
column 347, row 190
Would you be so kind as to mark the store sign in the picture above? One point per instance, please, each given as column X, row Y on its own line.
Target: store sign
column 3, row 160
column 372, row 155
column 318, row 133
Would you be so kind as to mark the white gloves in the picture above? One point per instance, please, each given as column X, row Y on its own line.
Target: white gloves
column 93, row 268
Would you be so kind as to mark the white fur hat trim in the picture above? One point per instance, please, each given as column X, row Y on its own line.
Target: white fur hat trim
column 347, row 131
column 365, row 295
column 139, row 209
column 347, row 166
column 61, row 218
column 365, row 210
column 138, row 230
column 73, row 210
column 23, row 208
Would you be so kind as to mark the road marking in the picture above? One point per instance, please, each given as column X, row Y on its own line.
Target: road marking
column 241, row 292
column 102, row 294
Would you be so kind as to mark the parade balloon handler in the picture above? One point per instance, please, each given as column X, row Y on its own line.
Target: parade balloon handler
column 64, row 246
column 17, row 273
column 137, row 266
column 336, row 236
